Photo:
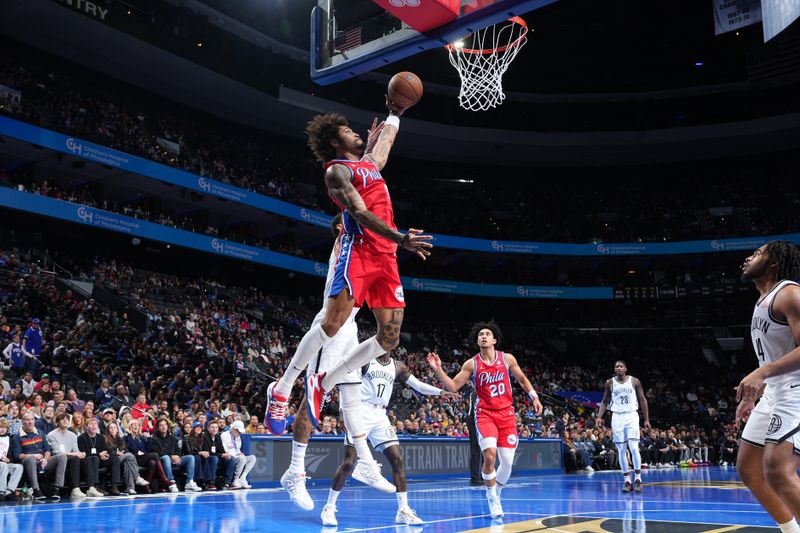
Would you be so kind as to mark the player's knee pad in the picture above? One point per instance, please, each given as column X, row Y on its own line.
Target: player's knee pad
column 506, row 457
column 488, row 477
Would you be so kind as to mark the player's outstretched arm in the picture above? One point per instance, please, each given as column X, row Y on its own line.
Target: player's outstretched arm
column 786, row 303
column 601, row 410
column 637, row 386
column 405, row 375
column 337, row 179
column 455, row 383
column 523, row 380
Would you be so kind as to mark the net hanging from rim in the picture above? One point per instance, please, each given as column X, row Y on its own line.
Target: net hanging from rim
column 482, row 58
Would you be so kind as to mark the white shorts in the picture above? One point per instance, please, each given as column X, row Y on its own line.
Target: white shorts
column 345, row 340
column 784, row 418
column 378, row 429
column 755, row 430
column 625, row 426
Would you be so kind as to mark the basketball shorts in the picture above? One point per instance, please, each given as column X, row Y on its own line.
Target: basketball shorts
column 625, row 426
column 345, row 340
column 496, row 428
column 370, row 277
column 379, row 430
column 755, row 430
column 784, row 418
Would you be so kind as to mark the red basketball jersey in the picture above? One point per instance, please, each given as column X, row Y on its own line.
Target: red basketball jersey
column 492, row 383
column 367, row 179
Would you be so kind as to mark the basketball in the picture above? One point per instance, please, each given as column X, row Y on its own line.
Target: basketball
column 405, row 89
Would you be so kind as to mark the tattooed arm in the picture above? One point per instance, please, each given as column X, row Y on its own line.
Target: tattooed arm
column 337, row 178
column 380, row 152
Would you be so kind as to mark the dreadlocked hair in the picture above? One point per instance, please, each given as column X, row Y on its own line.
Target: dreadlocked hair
column 787, row 257
column 491, row 326
column 321, row 130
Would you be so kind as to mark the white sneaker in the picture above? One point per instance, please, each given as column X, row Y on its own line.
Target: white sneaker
column 236, row 485
column 142, row 482
column 94, row 493
column 77, row 493
column 173, row 488
column 495, row 507
column 191, row 486
column 369, row 472
column 406, row 515
column 328, row 515
column 245, row 485
column 295, row 484
column 589, row 468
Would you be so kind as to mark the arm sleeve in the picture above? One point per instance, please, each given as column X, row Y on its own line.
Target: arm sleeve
column 422, row 388
column 7, row 351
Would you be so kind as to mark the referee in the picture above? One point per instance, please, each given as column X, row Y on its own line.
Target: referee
column 475, row 455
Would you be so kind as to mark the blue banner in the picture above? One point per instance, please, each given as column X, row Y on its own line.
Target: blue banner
column 99, row 218
column 144, row 167
column 592, row 398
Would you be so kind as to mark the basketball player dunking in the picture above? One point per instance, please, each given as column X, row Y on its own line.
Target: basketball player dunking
column 622, row 396
column 490, row 371
column 366, row 269
column 768, row 457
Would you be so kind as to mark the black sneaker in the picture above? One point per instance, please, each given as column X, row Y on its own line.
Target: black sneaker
column 54, row 498
column 627, row 487
column 637, row 485
column 39, row 495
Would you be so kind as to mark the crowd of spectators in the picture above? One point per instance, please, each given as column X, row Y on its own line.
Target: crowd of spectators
column 210, row 348
column 633, row 210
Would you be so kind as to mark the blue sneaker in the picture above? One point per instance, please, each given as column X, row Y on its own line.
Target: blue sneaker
column 275, row 415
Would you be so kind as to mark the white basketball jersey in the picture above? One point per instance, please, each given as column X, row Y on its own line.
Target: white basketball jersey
column 377, row 383
column 623, row 396
column 328, row 284
column 772, row 338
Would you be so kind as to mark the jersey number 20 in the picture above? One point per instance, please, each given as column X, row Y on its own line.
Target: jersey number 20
column 498, row 389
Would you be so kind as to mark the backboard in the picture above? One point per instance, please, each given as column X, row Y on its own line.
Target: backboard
column 349, row 37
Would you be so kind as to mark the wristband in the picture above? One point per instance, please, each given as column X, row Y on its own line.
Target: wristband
column 393, row 120
column 532, row 394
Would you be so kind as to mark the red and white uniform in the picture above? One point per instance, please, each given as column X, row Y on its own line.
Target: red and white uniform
column 494, row 406
column 367, row 263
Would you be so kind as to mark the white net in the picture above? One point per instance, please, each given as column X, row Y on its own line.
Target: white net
column 482, row 58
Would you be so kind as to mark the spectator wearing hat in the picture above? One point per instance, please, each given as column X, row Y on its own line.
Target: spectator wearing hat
column 32, row 345
column 44, row 381
column 240, row 465
column 109, row 416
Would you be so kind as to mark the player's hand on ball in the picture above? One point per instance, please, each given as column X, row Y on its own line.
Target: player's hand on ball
column 434, row 361
column 417, row 242
column 394, row 107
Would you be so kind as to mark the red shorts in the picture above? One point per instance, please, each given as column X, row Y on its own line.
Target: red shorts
column 369, row 276
column 496, row 428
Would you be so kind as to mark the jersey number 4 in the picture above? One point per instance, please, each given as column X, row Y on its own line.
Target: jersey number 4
column 759, row 349
column 497, row 389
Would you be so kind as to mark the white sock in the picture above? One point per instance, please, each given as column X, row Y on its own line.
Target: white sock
column 298, row 457
column 639, row 476
column 333, row 495
column 402, row 500
column 790, row 527
column 491, row 492
column 309, row 346
column 354, row 359
column 362, row 448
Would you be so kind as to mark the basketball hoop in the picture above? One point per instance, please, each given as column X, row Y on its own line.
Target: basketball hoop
column 482, row 58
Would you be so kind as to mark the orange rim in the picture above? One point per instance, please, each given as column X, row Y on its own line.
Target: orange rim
column 516, row 20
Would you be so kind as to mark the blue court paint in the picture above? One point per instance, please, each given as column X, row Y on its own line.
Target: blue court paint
column 685, row 501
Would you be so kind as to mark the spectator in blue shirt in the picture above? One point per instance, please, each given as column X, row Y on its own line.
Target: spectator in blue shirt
column 13, row 352
column 32, row 345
